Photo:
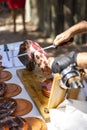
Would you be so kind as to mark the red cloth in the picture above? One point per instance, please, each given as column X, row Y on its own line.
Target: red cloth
column 16, row 3
column 4, row 0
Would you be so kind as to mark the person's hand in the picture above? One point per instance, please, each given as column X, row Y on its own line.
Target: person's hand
column 62, row 38
column 61, row 62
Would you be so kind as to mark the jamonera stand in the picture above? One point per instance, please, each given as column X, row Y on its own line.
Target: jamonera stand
column 32, row 83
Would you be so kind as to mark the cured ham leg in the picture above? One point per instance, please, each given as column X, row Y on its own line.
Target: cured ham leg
column 36, row 54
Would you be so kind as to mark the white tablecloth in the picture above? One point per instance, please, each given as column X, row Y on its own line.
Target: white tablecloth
column 12, row 66
column 15, row 64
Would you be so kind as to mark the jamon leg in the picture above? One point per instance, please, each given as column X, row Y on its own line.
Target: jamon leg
column 36, row 54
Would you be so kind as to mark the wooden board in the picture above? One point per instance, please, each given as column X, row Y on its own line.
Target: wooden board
column 32, row 83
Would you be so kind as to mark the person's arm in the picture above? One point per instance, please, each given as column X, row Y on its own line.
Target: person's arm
column 78, row 28
column 82, row 60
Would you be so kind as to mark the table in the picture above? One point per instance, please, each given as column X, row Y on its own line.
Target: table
column 15, row 64
column 12, row 66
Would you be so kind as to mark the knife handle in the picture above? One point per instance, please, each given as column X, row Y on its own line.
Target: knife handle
column 71, row 40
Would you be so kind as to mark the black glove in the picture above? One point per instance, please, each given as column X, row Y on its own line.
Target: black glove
column 62, row 62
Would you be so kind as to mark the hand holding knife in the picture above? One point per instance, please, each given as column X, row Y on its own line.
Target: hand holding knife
column 44, row 48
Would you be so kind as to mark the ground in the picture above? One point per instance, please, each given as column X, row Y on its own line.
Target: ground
column 7, row 34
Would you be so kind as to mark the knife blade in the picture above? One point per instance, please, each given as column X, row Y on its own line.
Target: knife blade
column 49, row 47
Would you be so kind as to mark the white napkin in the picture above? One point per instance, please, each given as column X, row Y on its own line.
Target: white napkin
column 72, row 118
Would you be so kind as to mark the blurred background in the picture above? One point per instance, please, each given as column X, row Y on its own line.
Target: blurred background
column 40, row 20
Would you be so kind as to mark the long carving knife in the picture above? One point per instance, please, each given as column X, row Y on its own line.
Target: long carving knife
column 44, row 48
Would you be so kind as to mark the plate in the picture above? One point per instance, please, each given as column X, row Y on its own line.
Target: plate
column 5, row 75
column 23, row 107
column 12, row 90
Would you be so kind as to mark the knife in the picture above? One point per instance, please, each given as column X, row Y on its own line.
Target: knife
column 44, row 48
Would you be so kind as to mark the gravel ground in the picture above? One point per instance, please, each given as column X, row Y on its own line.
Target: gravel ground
column 7, row 34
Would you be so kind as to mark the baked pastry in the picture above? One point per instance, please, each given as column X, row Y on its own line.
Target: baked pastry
column 15, row 123
column 7, row 107
column 36, row 123
column 4, row 127
column 46, row 87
